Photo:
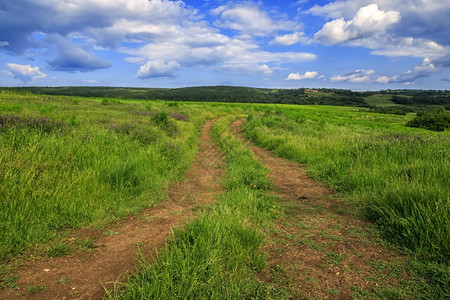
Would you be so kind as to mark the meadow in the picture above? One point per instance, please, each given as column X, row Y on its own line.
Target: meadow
column 398, row 176
column 68, row 162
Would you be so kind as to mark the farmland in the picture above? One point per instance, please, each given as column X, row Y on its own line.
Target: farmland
column 71, row 163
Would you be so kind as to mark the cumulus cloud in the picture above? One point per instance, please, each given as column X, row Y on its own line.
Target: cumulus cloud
column 26, row 73
column 249, row 18
column 216, row 49
column 154, row 69
column 290, row 39
column 73, row 58
column 381, row 27
column 358, row 76
column 160, row 36
column 298, row 76
column 403, row 46
column 425, row 69
column 248, row 68
column 419, row 18
column 368, row 21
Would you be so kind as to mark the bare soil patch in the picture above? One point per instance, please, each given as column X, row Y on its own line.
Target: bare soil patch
column 112, row 255
column 317, row 249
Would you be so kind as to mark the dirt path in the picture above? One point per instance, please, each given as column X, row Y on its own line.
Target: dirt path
column 114, row 255
column 318, row 250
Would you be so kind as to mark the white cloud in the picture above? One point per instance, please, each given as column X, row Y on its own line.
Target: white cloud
column 383, row 79
column 383, row 30
column 158, row 69
column 3, row 44
column 215, row 49
column 426, row 19
column 290, row 39
column 358, row 76
column 425, row 69
column 26, row 73
column 298, row 76
column 249, row 18
column 248, row 68
column 160, row 36
column 367, row 22
column 405, row 46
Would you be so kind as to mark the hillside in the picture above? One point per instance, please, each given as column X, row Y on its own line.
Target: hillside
column 212, row 94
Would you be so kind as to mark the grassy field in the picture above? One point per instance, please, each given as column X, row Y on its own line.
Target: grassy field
column 399, row 175
column 71, row 162
column 216, row 255
column 380, row 100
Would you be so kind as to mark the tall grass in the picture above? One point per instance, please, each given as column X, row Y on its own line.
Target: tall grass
column 107, row 161
column 217, row 255
column 400, row 176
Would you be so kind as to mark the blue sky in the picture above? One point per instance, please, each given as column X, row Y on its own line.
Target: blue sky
column 350, row 44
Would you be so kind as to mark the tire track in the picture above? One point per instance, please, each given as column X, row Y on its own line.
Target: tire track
column 85, row 275
column 318, row 249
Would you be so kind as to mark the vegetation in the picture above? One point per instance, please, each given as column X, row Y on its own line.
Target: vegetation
column 217, row 255
column 211, row 94
column 399, row 176
column 71, row 162
column 436, row 120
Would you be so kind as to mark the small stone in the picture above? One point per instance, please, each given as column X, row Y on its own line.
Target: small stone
column 46, row 270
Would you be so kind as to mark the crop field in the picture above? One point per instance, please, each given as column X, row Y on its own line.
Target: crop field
column 307, row 193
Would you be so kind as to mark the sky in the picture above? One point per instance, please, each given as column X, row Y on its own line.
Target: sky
column 346, row 44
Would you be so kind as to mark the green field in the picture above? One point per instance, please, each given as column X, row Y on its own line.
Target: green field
column 380, row 100
column 398, row 175
column 69, row 162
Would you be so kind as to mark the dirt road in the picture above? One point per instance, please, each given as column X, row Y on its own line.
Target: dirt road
column 317, row 249
column 113, row 256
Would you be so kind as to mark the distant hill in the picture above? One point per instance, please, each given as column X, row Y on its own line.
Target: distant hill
column 212, row 94
column 411, row 100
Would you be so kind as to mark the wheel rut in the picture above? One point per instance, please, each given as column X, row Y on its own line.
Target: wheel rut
column 317, row 249
column 84, row 275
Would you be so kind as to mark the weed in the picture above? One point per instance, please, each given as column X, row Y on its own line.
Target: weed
column 59, row 249
column 33, row 289
column 333, row 258
column 7, row 280
column 63, row 279
column 331, row 237
column 311, row 243
column 87, row 244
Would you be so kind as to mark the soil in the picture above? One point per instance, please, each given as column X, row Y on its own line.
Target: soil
column 319, row 248
column 112, row 257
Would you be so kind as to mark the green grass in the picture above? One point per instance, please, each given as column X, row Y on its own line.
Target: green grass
column 397, row 176
column 217, row 255
column 400, row 176
column 110, row 158
column 380, row 100
column 99, row 164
